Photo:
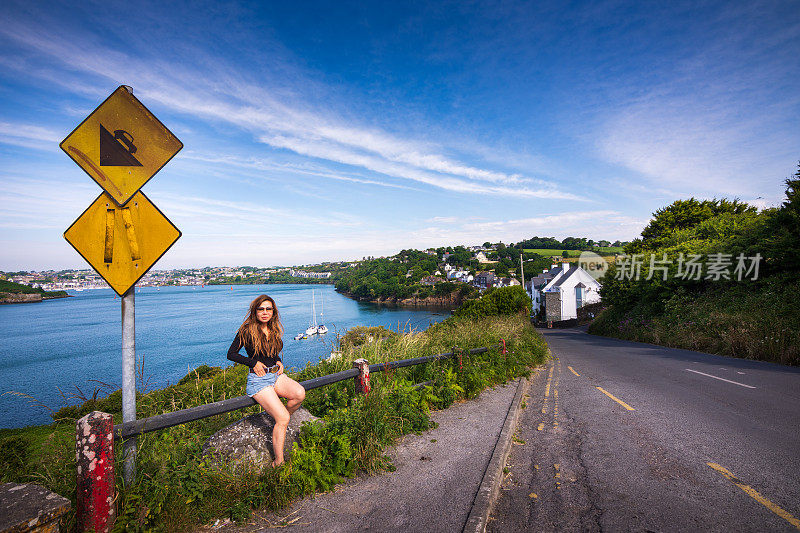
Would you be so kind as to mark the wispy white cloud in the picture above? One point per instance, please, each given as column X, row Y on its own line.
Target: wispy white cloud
column 251, row 247
column 41, row 203
column 444, row 220
column 565, row 224
column 692, row 150
column 721, row 120
column 333, row 152
column 211, row 214
column 281, row 124
column 257, row 163
column 29, row 136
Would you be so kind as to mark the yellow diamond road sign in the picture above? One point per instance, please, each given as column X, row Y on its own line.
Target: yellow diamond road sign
column 122, row 243
column 121, row 145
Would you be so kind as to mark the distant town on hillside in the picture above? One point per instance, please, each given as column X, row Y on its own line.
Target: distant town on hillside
column 326, row 272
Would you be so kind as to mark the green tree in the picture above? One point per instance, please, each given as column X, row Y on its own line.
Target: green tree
column 781, row 240
column 502, row 301
column 681, row 215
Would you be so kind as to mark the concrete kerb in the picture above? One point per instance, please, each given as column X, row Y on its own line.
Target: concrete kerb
column 493, row 476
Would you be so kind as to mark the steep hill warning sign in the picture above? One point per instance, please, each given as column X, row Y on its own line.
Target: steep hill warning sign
column 121, row 145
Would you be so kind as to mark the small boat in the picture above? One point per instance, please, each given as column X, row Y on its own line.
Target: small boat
column 300, row 336
column 313, row 328
column 322, row 329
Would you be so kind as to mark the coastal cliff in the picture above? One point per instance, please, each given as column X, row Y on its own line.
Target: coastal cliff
column 24, row 298
column 19, row 298
column 450, row 301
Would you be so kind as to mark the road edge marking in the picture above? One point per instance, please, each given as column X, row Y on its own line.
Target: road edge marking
column 489, row 489
column 750, row 491
column 573, row 371
column 721, row 379
column 623, row 404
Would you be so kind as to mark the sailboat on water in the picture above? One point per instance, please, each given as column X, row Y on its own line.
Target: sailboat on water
column 313, row 328
column 321, row 329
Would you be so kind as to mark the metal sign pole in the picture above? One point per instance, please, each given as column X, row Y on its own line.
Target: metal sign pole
column 121, row 167
column 129, row 382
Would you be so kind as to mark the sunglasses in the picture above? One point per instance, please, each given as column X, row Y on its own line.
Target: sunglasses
column 263, row 309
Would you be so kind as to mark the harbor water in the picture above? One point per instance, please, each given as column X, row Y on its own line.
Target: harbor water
column 55, row 351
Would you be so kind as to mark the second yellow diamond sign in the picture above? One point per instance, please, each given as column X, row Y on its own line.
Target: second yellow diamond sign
column 121, row 145
column 122, row 243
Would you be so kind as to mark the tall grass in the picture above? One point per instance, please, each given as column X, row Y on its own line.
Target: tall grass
column 178, row 488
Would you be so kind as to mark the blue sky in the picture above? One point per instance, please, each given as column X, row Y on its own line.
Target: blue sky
column 333, row 130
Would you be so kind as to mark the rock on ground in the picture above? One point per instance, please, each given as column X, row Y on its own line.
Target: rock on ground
column 248, row 442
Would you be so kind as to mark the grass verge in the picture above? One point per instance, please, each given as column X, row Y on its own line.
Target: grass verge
column 178, row 488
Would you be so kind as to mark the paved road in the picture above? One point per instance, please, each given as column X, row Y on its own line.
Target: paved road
column 711, row 443
column 433, row 489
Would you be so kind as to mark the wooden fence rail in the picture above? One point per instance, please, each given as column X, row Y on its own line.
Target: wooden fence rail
column 163, row 421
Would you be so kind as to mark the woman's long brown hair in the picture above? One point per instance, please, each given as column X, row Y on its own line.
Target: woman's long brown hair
column 250, row 331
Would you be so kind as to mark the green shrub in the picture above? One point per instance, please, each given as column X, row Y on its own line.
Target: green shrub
column 444, row 288
column 497, row 302
column 201, row 372
column 362, row 334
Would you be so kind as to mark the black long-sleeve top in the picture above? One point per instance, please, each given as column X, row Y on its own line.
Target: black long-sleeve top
column 252, row 358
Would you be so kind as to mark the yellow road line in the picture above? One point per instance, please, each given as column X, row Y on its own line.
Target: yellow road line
column 555, row 408
column 756, row 496
column 555, row 396
column 541, row 427
column 573, row 371
column 549, row 379
column 623, row 404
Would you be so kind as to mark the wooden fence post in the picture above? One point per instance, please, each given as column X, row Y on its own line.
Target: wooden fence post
column 458, row 353
column 94, row 454
column 362, row 379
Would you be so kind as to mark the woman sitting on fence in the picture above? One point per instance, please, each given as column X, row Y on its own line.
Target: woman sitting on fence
column 260, row 335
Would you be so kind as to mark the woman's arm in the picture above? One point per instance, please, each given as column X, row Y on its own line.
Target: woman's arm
column 233, row 353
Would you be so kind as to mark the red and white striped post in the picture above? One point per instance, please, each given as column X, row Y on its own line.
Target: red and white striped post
column 362, row 379
column 94, row 454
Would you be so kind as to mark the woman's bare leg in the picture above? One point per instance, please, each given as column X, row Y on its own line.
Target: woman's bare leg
column 268, row 399
column 294, row 393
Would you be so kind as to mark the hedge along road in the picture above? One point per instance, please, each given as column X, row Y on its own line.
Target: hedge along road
column 626, row 436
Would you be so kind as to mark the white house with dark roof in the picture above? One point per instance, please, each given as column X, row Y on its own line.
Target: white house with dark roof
column 562, row 290
column 484, row 280
column 480, row 257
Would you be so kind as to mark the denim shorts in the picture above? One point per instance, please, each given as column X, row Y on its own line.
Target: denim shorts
column 255, row 384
